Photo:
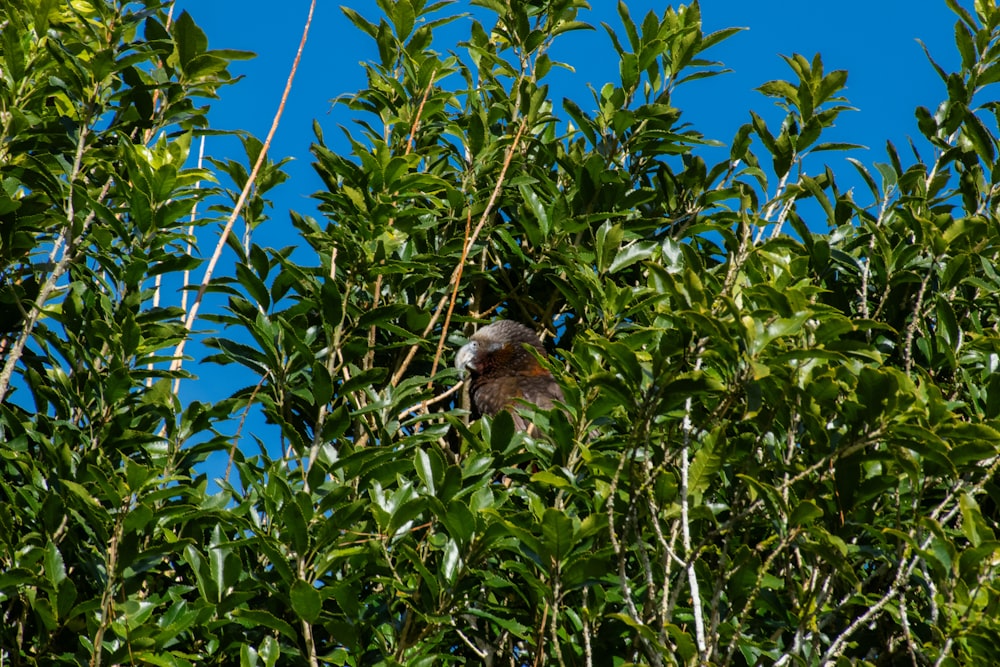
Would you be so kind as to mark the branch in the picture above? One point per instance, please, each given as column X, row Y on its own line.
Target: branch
column 110, row 569
column 190, row 250
column 699, row 621
column 239, row 429
column 482, row 655
column 192, row 316
column 69, row 254
column 911, row 328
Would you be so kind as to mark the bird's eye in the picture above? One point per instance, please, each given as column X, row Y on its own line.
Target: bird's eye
column 465, row 359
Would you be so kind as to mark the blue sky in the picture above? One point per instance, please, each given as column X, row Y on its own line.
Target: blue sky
column 875, row 40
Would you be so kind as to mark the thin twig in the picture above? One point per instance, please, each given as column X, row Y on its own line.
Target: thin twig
column 420, row 112
column 239, row 429
column 454, row 297
column 911, row 327
column 110, row 570
column 423, row 405
column 699, row 621
column 69, row 255
column 238, row 207
column 482, row 655
column 331, row 370
column 189, row 248
column 186, row 275
column 470, row 241
column 541, row 633
column 619, row 550
column 369, row 360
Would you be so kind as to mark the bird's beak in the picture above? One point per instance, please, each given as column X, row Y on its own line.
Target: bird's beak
column 463, row 360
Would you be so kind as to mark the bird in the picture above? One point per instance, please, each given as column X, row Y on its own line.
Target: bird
column 502, row 370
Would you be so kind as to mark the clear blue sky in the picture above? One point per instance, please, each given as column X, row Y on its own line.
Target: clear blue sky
column 875, row 40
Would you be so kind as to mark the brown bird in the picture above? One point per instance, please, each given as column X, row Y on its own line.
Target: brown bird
column 502, row 371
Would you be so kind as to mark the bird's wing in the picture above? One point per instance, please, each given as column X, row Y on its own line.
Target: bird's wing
column 492, row 394
column 540, row 389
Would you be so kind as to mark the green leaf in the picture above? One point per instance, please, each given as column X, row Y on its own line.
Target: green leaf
column 360, row 22
column 306, row 601
column 550, row 478
column 13, row 53
column 510, row 625
column 641, row 628
column 760, row 128
column 55, row 566
column 837, row 146
column 705, row 465
column 686, row 646
column 254, row 286
column 948, row 327
column 190, row 39
column 451, row 561
column 248, row 656
column 805, row 513
column 270, row 650
column 430, row 468
column 609, row 238
column 501, row 431
column 460, row 522
column 867, row 177
column 403, row 18
column 295, row 528
column 558, row 535
column 964, row 41
column 632, row 253
column 780, row 89
column 629, row 25
column 535, row 205
column 980, row 137
column 498, row 7
column 583, row 122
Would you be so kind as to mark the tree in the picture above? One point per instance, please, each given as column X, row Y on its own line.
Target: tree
column 779, row 440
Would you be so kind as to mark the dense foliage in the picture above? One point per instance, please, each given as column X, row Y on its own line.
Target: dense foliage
column 780, row 436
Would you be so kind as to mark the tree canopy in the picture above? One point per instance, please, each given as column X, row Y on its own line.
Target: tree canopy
column 779, row 441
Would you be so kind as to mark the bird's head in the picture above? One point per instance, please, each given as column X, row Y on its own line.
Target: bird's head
column 503, row 336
